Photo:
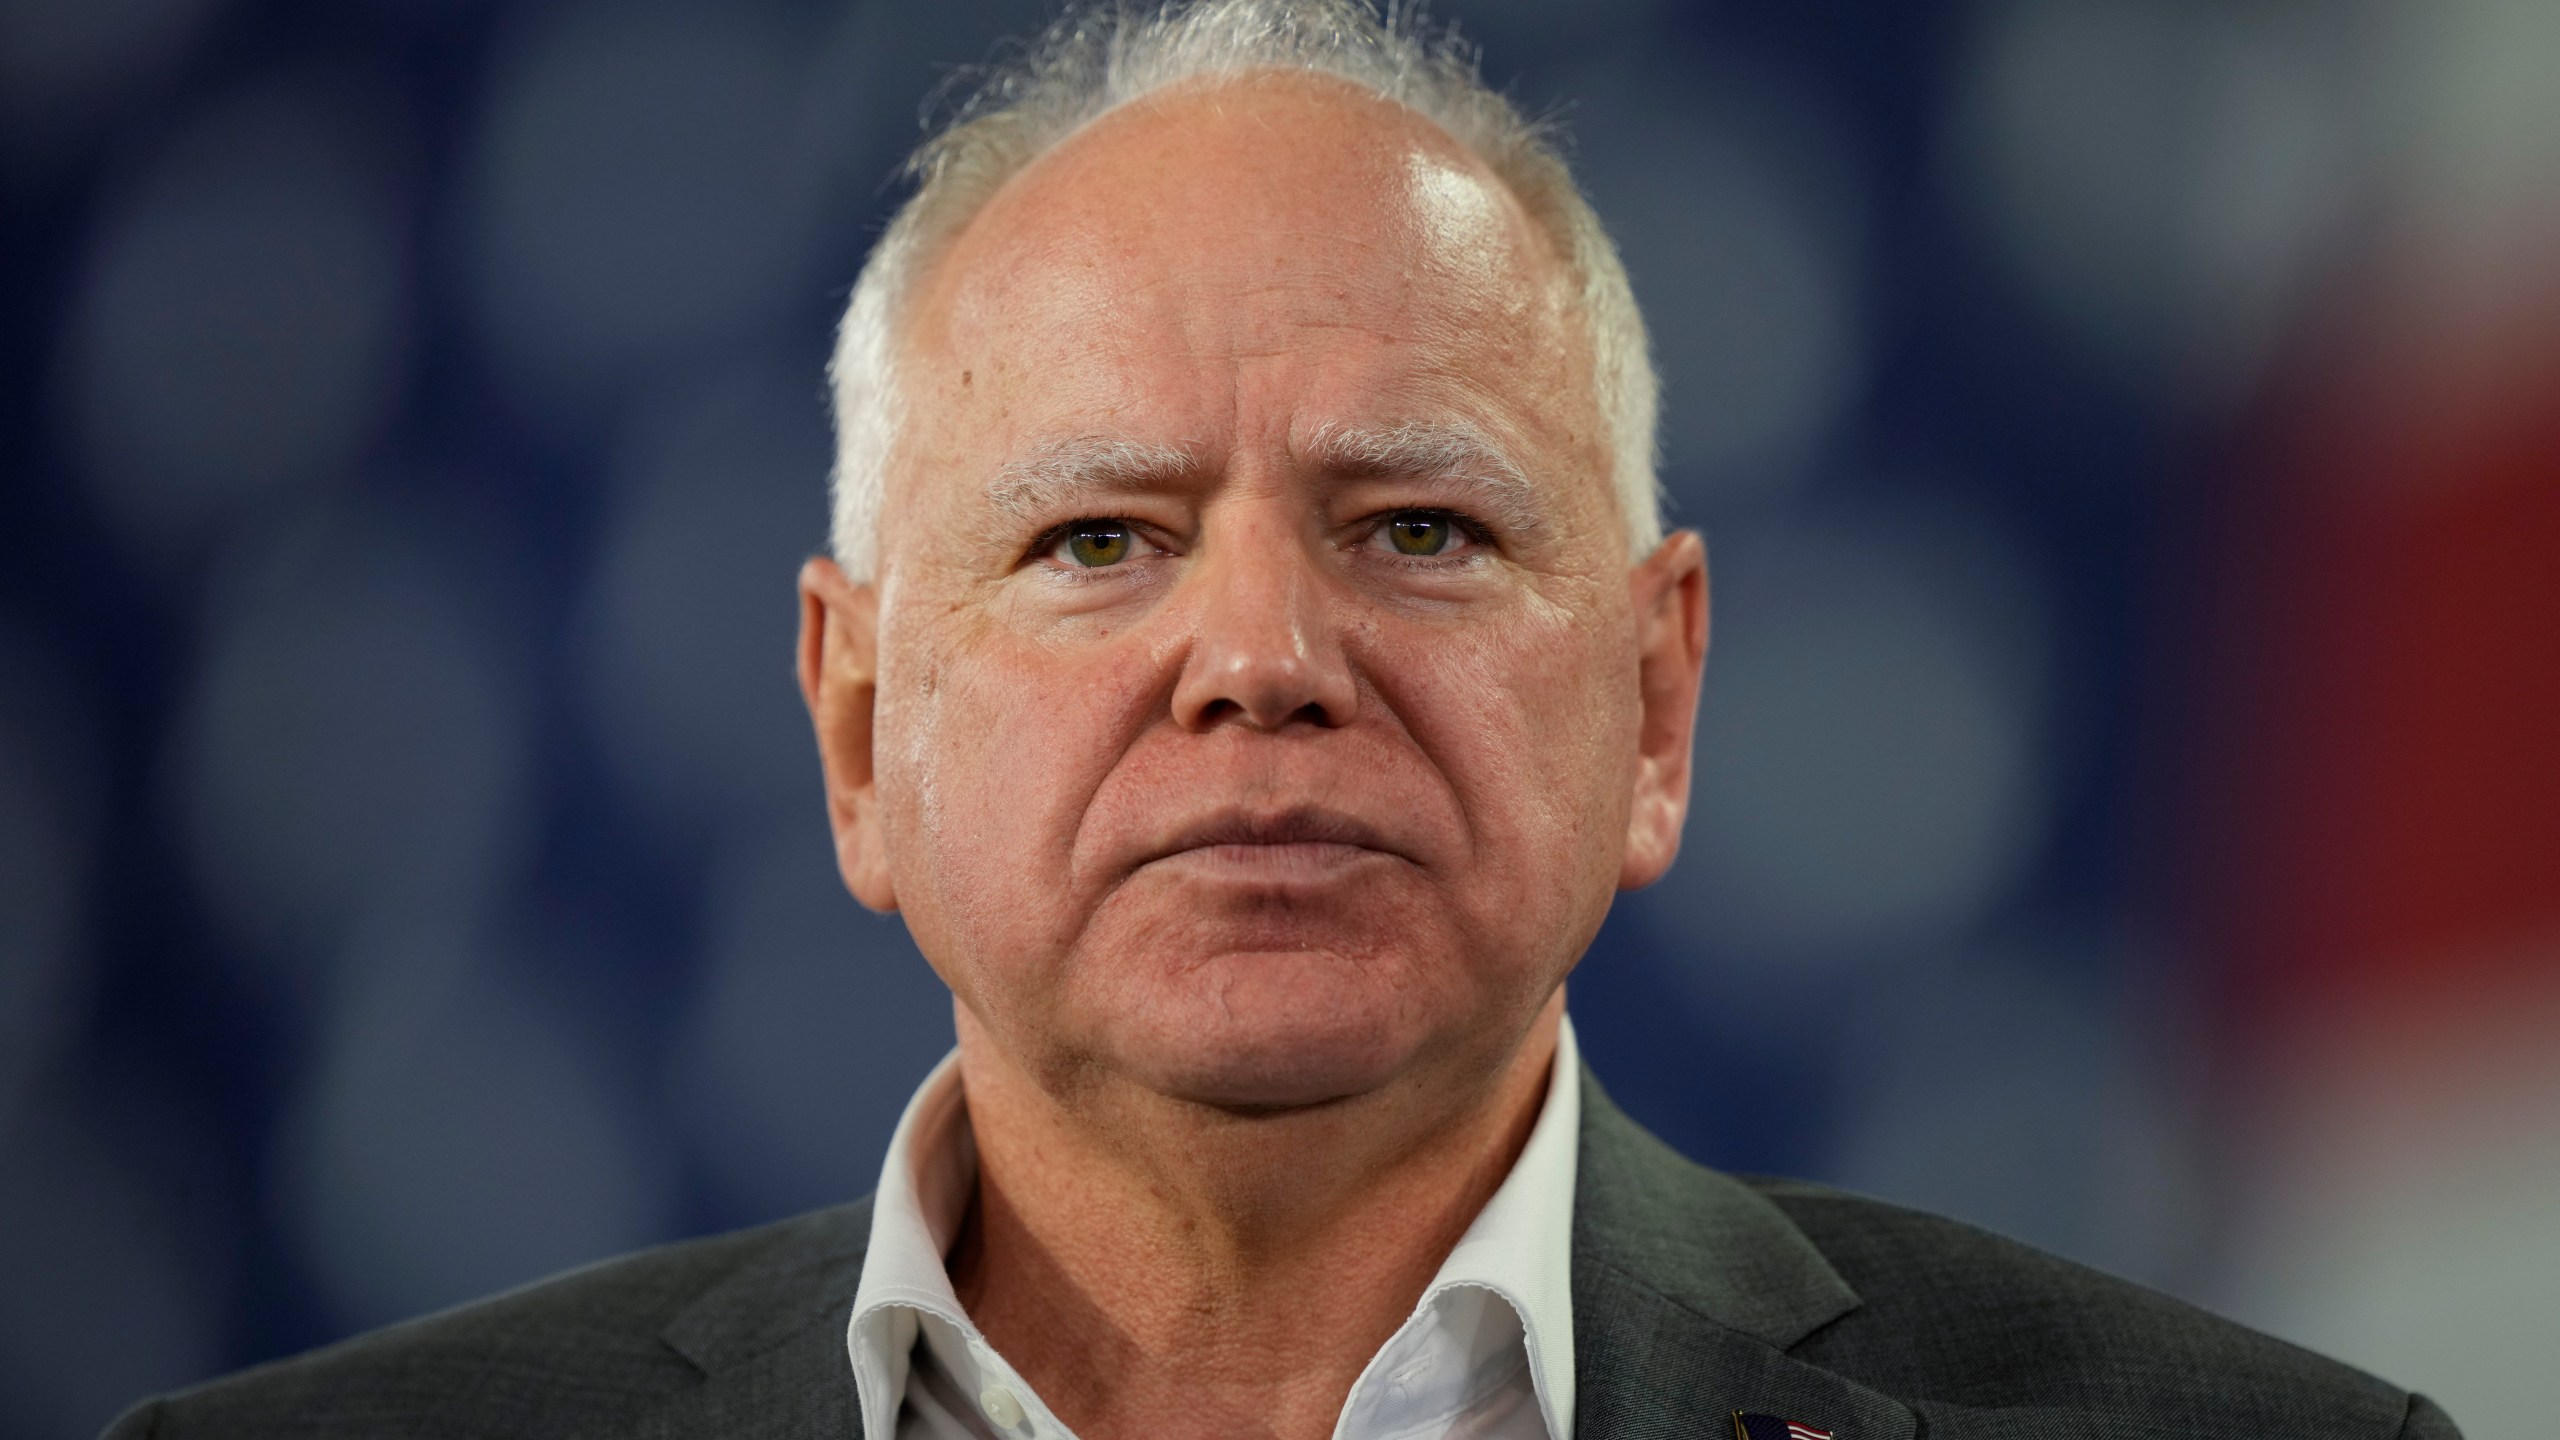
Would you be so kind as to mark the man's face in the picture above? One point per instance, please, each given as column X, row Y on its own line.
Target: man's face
column 1261, row 706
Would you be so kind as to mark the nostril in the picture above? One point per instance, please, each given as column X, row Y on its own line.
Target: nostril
column 1223, row 710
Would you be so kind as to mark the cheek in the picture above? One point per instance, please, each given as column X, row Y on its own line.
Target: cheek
column 992, row 749
column 1533, row 722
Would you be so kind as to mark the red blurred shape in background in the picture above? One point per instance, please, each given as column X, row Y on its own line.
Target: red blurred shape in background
column 2387, row 792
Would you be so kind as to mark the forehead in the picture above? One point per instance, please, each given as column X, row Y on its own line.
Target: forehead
column 1282, row 231
column 1289, row 154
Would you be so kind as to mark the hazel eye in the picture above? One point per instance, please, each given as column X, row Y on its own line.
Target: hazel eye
column 1420, row 532
column 1094, row 544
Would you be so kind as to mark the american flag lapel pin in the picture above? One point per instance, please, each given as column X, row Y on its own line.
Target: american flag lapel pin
column 1770, row 1427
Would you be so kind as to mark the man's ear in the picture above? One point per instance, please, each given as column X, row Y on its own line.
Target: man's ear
column 839, row 665
column 1670, row 594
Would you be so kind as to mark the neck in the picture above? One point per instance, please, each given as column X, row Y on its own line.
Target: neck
column 1155, row 1267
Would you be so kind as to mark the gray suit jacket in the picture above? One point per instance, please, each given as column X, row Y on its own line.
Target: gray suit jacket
column 1695, row 1295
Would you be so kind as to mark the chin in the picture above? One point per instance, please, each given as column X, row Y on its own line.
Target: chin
column 1273, row 1032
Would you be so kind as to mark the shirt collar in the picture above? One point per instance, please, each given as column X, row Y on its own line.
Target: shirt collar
column 915, row 1215
column 1519, row 1248
column 1521, row 1244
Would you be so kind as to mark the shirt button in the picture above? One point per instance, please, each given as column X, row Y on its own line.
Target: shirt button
column 1000, row 1406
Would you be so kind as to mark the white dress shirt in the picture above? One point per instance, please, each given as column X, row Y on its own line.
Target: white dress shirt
column 1486, row 1355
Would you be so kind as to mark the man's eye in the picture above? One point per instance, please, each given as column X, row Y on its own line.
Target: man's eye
column 1096, row 543
column 1421, row 532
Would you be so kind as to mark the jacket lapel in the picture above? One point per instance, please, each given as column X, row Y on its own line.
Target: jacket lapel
column 770, row 1341
column 801, row 1389
column 1688, row 1291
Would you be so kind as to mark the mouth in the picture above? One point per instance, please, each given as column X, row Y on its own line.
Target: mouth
column 1303, row 843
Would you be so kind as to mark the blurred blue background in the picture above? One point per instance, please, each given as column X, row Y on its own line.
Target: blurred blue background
column 413, row 878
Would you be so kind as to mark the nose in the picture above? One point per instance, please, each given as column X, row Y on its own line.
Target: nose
column 1265, row 652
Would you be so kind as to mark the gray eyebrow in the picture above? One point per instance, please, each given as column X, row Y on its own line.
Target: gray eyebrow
column 1060, row 473
column 1445, row 450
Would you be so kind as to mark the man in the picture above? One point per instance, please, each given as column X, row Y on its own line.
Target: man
column 1250, row 660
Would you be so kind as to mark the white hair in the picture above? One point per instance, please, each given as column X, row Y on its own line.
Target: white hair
column 1096, row 58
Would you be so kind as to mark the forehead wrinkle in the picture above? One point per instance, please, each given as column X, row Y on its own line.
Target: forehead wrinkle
column 1434, row 450
column 1057, row 472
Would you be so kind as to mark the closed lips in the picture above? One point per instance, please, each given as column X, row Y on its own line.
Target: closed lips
column 1301, row 827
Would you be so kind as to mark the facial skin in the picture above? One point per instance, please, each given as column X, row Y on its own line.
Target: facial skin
column 1262, row 811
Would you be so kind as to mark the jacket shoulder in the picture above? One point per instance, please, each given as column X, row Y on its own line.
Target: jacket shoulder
column 577, row 1351
column 1985, row 1335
